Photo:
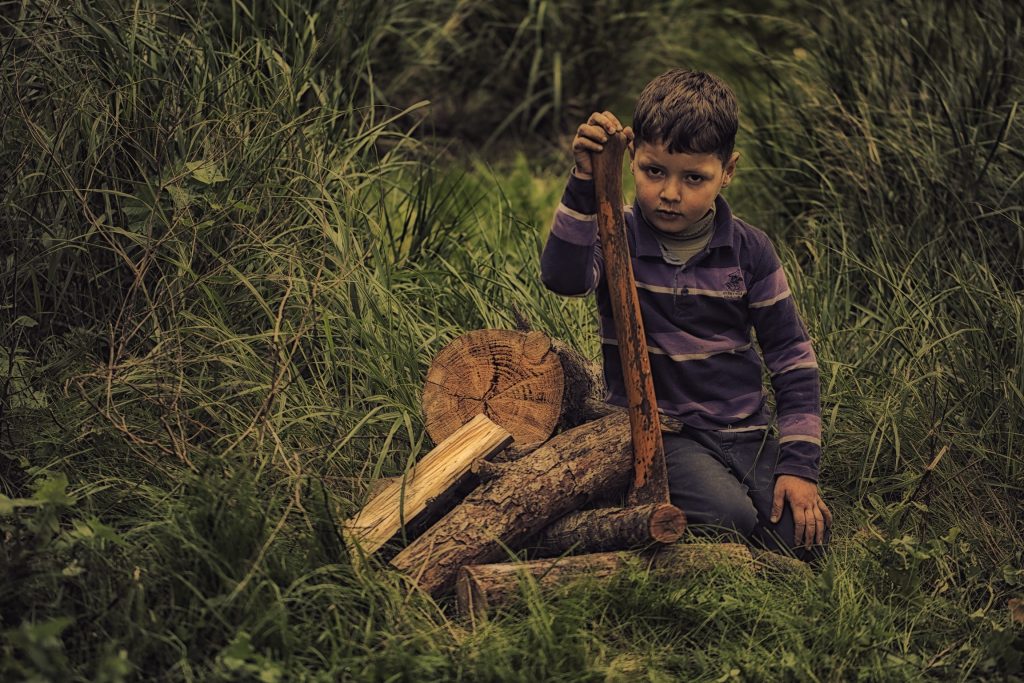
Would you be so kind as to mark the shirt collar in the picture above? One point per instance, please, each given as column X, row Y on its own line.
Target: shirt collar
column 647, row 242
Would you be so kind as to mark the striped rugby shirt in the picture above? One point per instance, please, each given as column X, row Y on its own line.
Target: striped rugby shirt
column 700, row 320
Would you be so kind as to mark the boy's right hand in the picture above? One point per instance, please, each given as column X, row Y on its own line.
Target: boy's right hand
column 591, row 136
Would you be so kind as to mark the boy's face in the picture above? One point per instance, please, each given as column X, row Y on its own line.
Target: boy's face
column 675, row 190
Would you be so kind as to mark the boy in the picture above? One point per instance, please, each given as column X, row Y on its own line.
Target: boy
column 705, row 280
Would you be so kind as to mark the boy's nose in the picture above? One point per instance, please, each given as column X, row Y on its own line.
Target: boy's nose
column 671, row 192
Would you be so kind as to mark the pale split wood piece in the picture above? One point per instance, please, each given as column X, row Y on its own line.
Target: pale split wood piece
column 442, row 469
column 514, row 378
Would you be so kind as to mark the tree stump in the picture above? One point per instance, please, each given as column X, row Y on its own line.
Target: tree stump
column 523, row 381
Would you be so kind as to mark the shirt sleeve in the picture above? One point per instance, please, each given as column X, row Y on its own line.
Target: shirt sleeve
column 790, row 358
column 572, row 263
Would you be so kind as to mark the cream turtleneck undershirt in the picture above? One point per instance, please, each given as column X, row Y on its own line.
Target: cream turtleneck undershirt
column 679, row 247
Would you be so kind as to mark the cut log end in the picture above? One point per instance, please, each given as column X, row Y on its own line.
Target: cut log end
column 667, row 523
column 513, row 377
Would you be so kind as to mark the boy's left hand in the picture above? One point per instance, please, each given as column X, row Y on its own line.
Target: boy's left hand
column 810, row 514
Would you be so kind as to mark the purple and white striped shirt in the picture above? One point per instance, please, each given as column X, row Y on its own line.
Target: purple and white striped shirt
column 701, row 320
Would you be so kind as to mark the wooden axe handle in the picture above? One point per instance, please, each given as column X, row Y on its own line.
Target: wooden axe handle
column 650, row 481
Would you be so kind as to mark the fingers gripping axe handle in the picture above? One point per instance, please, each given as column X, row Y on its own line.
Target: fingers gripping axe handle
column 650, row 480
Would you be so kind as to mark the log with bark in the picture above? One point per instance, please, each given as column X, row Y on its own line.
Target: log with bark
column 594, row 459
column 611, row 528
column 480, row 588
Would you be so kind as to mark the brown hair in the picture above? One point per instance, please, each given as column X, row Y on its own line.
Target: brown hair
column 688, row 111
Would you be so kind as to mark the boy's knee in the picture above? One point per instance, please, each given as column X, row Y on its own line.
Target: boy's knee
column 741, row 515
column 781, row 538
column 728, row 513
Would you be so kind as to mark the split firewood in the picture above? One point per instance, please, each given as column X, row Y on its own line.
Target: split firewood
column 378, row 486
column 481, row 588
column 523, row 381
column 602, row 529
column 594, row 459
column 431, row 480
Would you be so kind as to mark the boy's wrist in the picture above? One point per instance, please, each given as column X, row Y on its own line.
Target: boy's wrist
column 808, row 472
column 579, row 194
column 577, row 173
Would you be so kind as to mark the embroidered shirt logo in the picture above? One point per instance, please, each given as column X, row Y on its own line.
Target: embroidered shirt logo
column 735, row 282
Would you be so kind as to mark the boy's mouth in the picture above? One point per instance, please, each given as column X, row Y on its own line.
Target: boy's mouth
column 669, row 214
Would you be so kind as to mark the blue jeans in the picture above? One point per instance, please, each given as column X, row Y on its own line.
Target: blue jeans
column 724, row 483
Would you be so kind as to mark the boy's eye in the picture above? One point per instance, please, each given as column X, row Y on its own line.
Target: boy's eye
column 694, row 178
column 653, row 171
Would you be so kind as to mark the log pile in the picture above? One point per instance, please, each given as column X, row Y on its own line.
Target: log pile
column 493, row 402
column 559, row 477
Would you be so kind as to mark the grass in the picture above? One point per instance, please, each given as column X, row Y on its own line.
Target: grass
column 235, row 233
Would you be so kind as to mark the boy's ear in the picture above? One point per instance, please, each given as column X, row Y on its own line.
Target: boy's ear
column 730, row 169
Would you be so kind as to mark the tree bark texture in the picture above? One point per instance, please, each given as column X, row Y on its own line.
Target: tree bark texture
column 481, row 588
column 602, row 529
column 572, row 468
column 584, row 385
